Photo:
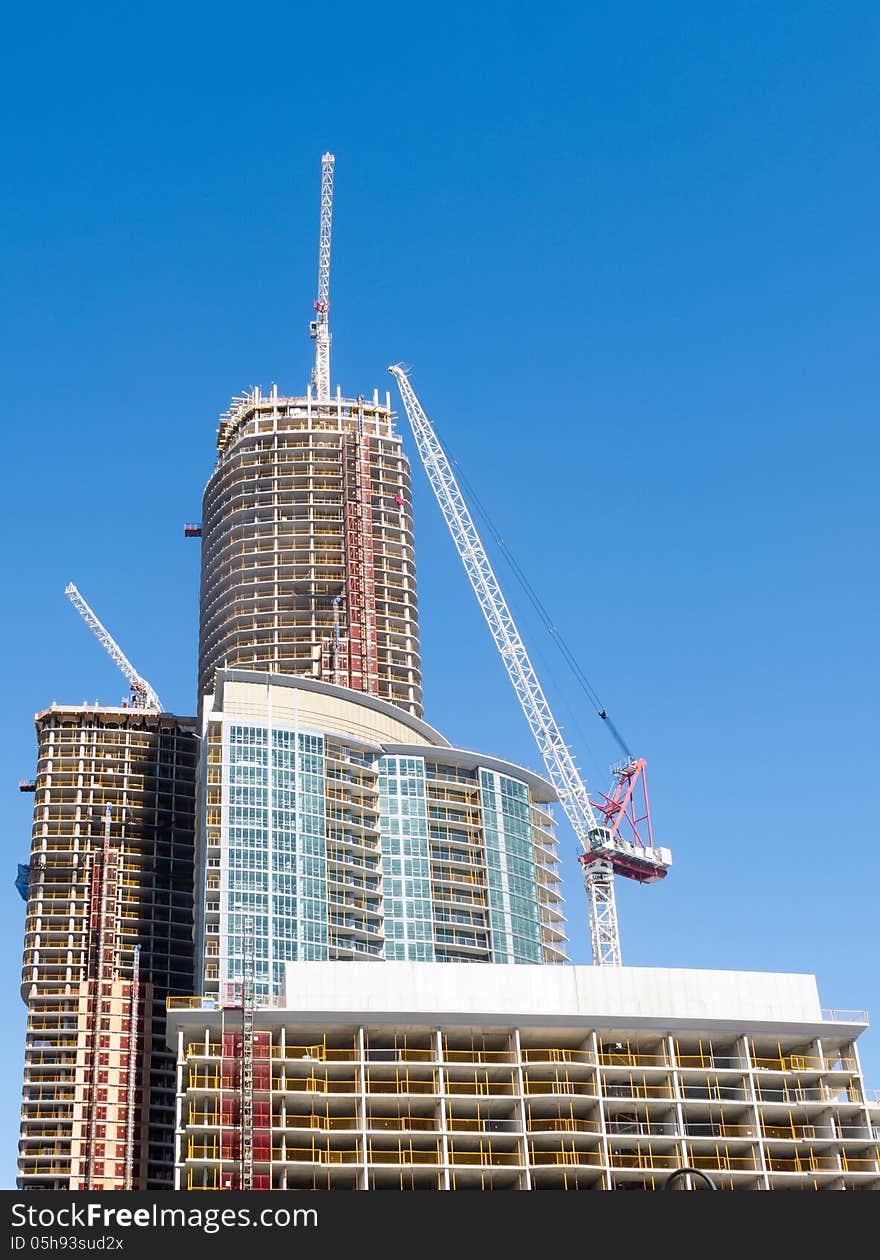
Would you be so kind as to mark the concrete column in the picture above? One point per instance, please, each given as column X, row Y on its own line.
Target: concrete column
column 178, row 1112
column 677, row 1095
column 520, row 1089
column 362, row 1110
column 441, row 1087
column 751, row 1089
column 593, row 1046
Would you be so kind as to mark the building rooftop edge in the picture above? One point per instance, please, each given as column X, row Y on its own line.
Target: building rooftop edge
column 469, row 759
column 125, row 711
column 304, row 683
column 552, row 996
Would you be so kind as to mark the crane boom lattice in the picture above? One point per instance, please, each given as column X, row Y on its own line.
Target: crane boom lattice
column 603, row 851
column 554, row 750
column 319, row 328
column 143, row 694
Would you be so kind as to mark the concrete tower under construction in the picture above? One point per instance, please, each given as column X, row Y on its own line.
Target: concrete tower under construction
column 251, row 936
column 307, row 547
column 108, row 937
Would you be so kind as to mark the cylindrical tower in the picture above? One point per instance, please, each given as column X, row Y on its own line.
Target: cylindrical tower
column 308, row 565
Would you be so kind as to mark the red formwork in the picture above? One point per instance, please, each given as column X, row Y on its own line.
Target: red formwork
column 359, row 564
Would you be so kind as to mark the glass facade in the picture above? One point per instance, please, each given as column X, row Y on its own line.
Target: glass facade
column 336, row 849
column 403, row 824
column 275, row 852
column 514, row 919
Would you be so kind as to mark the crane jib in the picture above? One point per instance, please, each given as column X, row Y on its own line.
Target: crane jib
column 605, row 852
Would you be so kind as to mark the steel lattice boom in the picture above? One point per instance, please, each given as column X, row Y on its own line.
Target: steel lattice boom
column 319, row 328
column 143, row 694
column 603, row 850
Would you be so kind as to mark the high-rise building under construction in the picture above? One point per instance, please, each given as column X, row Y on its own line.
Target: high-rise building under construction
column 108, row 938
column 308, row 564
column 332, row 819
column 285, row 873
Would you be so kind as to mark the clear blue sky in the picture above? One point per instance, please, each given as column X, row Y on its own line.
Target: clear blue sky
column 632, row 253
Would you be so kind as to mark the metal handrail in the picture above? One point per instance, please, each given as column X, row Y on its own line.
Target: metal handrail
column 686, row 1171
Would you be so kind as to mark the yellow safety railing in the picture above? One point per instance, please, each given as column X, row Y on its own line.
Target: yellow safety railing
column 852, row 1163
column 789, row 1063
column 196, row 1115
column 707, row 1060
column 315, row 1085
column 198, row 1180
column 478, row 1124
column 480, row 1083
column 400, row 1054
column 643, row 1159
column 612, row 1058
column 478, row 1056
column 486, row 1154
column 401, row 1083
column 320, row 1155
column 806, row 1161
column 721, row 1129
column 789, row 1131
column 403, row 1154
column 320, row 1122
column 564, row 1157
column 638, row 1089
column 553, row 1055
column 560, row 1085
column 842, row 1063
column 202, row 1078
column 562, row 1124
column 721, row 1160
column 402, row 1122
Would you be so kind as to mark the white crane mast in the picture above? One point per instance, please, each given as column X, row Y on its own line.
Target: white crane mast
column 144, row 694
column 319, row 328
column 563, row 773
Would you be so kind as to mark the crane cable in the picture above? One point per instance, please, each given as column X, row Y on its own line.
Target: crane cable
column 535, row 600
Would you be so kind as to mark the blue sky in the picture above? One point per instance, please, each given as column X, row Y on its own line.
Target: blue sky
column 631, row 252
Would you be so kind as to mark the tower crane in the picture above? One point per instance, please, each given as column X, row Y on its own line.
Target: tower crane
column 319, row 329
column 142, row 694
column 604, row 849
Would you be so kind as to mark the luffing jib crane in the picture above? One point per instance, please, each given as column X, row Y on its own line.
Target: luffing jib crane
column 142, row 694
column 319, row 328
column 604, row 850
